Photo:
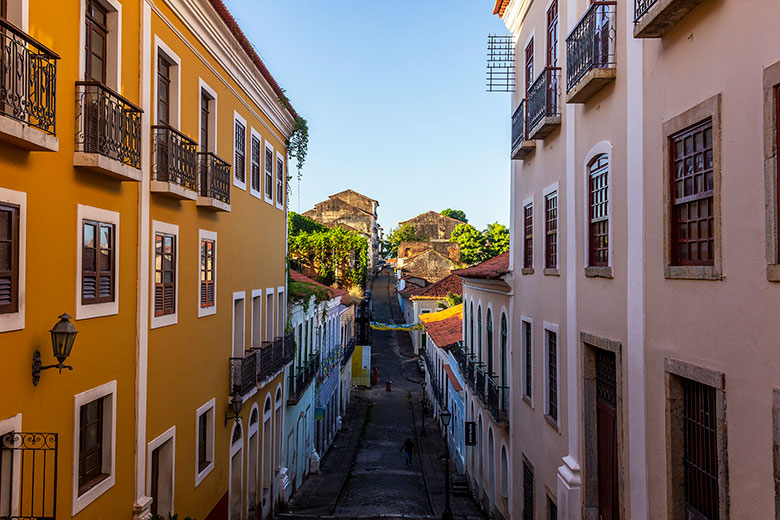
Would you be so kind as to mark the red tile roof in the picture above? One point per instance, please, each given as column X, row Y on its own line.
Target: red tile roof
column 489, row 269
column 450, row 284
column 500, row 7
column 333, row 291
column 411, row 290
column 454, row 380
column 243, row 41
column 447, row 332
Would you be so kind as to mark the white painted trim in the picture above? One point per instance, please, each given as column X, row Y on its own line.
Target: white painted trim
column 551, row 327
column 108, row 444
column 161, row 47
column 208, row 407
column 113, row 42
column 550, row 188
column 101, row 215
column 253, row 431
column 233, row 449
column 13, row 425
column 204, row 234
column 256, row 193
column 15, row 320
column 279, row 156
column 523, row 374
column 238, row 296
column 247, row 134
column 281, row 309
column 269, row 336
column 18, row 12
column 602, row 147
column 257, row 294
column 168, row 435
column 169, row 229
column 269, row 200
column 213, row 116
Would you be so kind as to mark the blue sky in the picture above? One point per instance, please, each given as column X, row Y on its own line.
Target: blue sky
column 394, row 94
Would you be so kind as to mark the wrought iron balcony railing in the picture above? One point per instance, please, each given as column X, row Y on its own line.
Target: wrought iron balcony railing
column 544, row 97
column 520, row 125
column 28, row 79
column 641, row 7
column 302, row 378
column 460, row 357
column 497, row 400
column 481, row 377
column 591, row 44
column 107, row 124
column 214, row 177
column 470, row 365
column 348, row 351
column 243, row 373
column 174, row 157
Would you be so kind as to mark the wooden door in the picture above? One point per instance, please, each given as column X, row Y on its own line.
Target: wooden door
column 155, row 484
column 606, row 431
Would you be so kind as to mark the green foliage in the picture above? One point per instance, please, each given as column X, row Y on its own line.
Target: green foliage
column 457, row 214
column 338, row 256
column 477, row 246
column 301, row 292
column 403, row 233
column 297, row 223
column 451, row 300
column 298, row 143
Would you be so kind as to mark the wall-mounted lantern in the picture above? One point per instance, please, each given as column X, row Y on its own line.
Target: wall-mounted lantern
column 63, row 335
column 235, row 403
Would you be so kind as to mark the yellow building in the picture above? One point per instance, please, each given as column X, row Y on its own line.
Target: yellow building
column 143, row 192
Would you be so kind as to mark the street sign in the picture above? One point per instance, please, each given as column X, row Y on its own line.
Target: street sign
column 471, row 433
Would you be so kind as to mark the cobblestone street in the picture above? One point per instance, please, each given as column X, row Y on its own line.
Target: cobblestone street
column 363, row 475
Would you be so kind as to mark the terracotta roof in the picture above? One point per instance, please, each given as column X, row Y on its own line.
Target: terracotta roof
column 451, row 284
column 333, row 291
column 500, row 7
column 454, row 380
column 489, row 269
column 233, row 26
column 447, row 332
column 411, row 290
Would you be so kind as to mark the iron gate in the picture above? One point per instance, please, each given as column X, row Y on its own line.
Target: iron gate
column 28, row 476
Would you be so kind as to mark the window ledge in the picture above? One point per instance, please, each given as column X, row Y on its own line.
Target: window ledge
column 528, row 401
column 590, row 84
column 553, row 424
column 165, row 320
column 527, row 270
column 213, row 204
column 544, row 127
column 692, row 272
column 662, row 16
column 523, row 150
column 173, row 190
column 602, row 271
column 550, row 271
column 773, row 272
column 107, row 166
column 26, row 136
column 203, row 474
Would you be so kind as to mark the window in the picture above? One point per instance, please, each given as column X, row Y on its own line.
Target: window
column 168, row 85
column 255, row 158
column 529, row 65
column 207, row 272
column 97, row 262
column 9, row 258
column 551, row 228
column 552, row 34
column 552, row 509
column 280, row 308
column 269, row 173
column 598, row 235
column 528, row 490
column 239, row 164
column 527, row 360
column 528, row 236
column 90, row 441
column 96, row 42
column 239, row 327
column 205, row 119
column 164, row 67
column 489, row 353
column 164, row 274
column 257, row 318
column 479, row 333
column 203, row 459
column 279, row 181
column 700, row 453
column 692, row 183
column 161, row 461
column 552, row 375
column 269, row 315
column 471, row 328
column 204, row 449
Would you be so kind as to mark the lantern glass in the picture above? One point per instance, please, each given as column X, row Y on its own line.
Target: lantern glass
column 63, row 335
column 445, row 417
column 236, row 403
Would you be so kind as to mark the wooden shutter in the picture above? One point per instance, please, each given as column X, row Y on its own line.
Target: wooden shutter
column 9, row 258
column 164, row 274
column 206, row 273
column 269, row 173
column 240, row 162
column 279, row 181
column 90, row 443
column 255, row 163
column 97, row 262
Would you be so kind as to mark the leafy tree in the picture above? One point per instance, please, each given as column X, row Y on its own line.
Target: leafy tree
column 298, row 223
column 477, row 246
column 336, row 255
column 457, row 214
column 496, row 239
column 403, row 233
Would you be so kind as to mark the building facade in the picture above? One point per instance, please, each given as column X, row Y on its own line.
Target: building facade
column 180, row 315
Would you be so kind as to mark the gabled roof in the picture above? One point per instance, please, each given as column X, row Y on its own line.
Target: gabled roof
column 431, row 213
column 411, row 290
column 452, row 284
column 355, row 193
column 491, row 269
column 444, row 327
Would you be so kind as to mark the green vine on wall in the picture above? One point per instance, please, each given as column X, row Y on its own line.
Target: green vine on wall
column 298, row 142
column 336, row 255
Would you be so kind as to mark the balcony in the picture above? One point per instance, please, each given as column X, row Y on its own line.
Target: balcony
column 460, row 357
column 28, row 91
column 654, row 18
column 479, row 387
column 521, row 145
column 174, row 163
column 470, row 371
column 243, row 372
column 260, row 364
column 214, row 190
column 348, row 351
column 302, row 378
column 544, row 110
column 498, row 401
column 590, row 53
column 108, row 132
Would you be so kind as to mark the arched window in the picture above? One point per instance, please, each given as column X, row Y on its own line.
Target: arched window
column 489, row 341
column 503, row 368
column 598, row 209
column 504, row 473
column 253, row 417
column 236, row 434
column 471, row 329
column 479, row 333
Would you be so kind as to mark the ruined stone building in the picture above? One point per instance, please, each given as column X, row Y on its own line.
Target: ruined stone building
column 433, row 225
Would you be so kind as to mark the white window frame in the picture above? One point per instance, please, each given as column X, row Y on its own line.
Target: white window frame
column 204, row 234
column 239, row 296
column 166, row 319
column 524, row 374
column 269, row 146
column 113, row 42
column 253, row 429
column 549, row 190
column 160, row 47
column 247, row 139
column 534, row 223
column 256, row 324
column 269, row 335
column 551, row 327
column 602, row 147
column 234, row 448
column 255, row 193
column 108, row 444
column 15, row 320
column 12, row 425
column 281, row 317
column 168, row 435
column 96, row 310
column 280, row 156
column 19, row 14
column 213, row 134
column 206, row 408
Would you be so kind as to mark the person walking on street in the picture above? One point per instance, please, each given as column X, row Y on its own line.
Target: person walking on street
column 408, row 448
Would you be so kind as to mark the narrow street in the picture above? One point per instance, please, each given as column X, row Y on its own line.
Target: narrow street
column 363, row 475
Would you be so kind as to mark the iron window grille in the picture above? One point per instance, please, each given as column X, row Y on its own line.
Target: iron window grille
column 552, row 375
column 543, row 96
column 598, row 231
column 692, row 197
column 528, row 236
column 551, row 235
column 528, row 368
column 214, row 177
column 700, row 456
column 97, row 262
column 528, row 490
column 240, row 161
column 591, row 44
column 520, row 124
column 175, row 158
column 641, row 7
